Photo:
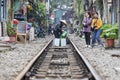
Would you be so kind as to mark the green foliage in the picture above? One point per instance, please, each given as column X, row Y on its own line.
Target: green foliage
column 81, row 11
column 106, row 26
column 110, row 31
column 34, row 25
column 10, row 12
column 42, row 9
column 10, row 30
column 38, row 12
column 100, row 4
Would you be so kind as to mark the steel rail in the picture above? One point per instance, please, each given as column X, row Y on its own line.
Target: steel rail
column 89, row 66
column 23, row 72
column 92, row 70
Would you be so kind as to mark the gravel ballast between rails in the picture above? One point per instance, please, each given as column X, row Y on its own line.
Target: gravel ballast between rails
column 12, row 62
column 106, row 65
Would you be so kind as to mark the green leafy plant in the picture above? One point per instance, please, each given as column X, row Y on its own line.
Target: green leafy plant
column 110, row 31
column 105, row 27
column 10, row 11
column 38, row 12
column 10, row 29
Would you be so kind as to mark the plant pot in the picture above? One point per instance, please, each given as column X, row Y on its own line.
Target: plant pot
column 110, row 42
column 12, row 38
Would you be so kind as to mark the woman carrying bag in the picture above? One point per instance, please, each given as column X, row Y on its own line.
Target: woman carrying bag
column 96, row 25
column 87, row 28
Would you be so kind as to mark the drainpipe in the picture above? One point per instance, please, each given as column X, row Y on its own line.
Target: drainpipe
column 113, row 11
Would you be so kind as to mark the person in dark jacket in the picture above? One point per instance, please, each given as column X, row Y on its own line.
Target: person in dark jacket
column 58, row 29
column 49, row 30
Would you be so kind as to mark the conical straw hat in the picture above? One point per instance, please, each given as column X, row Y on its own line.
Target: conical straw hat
column 63, row 21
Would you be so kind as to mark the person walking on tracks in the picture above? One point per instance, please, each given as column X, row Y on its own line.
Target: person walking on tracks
column 96, row 25
column 87, row 28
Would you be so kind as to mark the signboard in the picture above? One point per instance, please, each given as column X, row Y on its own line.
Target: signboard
column 21, row 31
column 22, row 27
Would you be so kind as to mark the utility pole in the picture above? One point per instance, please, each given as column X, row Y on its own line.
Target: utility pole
column 119, row 22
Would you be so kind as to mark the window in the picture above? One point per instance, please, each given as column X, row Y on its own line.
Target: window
column 3, row 10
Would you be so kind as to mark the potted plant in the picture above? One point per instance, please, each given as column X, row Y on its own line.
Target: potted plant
column 110, row 33
column 11, row 32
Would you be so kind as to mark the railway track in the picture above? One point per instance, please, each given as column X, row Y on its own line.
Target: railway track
column 59, row 63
